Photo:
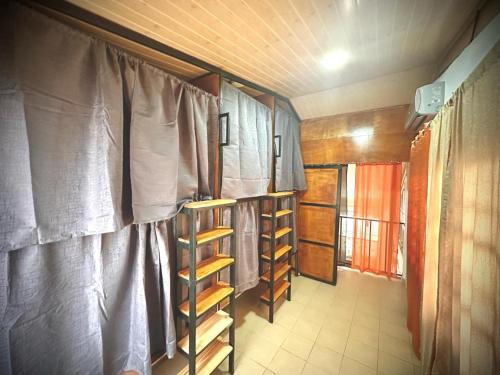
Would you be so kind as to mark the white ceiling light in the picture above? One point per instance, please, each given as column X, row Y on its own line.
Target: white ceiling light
column 335, row 59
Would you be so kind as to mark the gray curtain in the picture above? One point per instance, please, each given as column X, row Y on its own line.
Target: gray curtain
column 289, row 166
column 62, row 133
column 79, row 305
column 246, row 162
column 247, row 245
column 93, row 140
column 172, row 126
column 246, row 173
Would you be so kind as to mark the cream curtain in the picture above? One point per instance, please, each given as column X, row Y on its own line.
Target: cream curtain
column 461, row 292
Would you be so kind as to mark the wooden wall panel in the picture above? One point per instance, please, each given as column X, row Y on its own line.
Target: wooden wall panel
column 381, row 148
column 317, row 224
column 266, row 99
column 316, row 261
column 382, row 121
column 321, row 186
column 365, row 137
column 208, row 82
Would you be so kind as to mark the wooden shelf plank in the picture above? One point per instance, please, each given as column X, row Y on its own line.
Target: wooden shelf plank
column 280, row 232
column 207, row 267
column 279, row 288
column 278, row 253
column 210, row 204
column 280, row 269
column 208, row 298
column 210, row 358
column 208, row 235
column 280, row 194
column 279, row 214
column 207, row 332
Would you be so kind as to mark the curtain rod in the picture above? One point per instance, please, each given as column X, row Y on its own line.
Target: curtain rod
column 84, row 15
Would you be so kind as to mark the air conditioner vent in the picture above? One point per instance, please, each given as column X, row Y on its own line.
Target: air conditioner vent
column 428, row 101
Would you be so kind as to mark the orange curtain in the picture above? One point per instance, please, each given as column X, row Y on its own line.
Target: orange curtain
column 417, row 213
column 377, row 196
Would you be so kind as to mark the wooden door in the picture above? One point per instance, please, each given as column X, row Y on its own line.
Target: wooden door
column 318, row 222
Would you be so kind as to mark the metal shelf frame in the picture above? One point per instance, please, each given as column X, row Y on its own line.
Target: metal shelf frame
column 276, row 205
column 192, row 318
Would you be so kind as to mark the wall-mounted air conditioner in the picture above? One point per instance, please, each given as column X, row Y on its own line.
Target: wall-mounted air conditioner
column 428, row 101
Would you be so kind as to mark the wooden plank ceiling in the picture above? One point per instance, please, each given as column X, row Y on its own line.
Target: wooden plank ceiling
column 175, row 66
column 280, row 44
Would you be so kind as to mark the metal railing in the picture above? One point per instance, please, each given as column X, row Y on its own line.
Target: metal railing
column 371, row 230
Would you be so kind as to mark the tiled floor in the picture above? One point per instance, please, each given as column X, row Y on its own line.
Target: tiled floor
column 357, row 327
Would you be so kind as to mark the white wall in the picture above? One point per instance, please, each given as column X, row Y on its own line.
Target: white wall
column 470, row 57
column 398, row 88
column 386, row 91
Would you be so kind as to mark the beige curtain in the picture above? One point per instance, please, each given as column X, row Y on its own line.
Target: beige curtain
column 461, row 296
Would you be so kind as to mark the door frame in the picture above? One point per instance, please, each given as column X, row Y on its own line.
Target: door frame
column 335, row 229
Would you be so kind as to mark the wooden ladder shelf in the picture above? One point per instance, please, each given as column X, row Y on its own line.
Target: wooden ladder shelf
column 277, row 249
column 203, row 345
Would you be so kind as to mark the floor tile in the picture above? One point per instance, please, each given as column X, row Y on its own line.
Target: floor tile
column 333, row 340
column 396, row 347
column 365, row 354
column 301, row 297
column 261, row 351
column 367, row 321
column 339, row 325
column 313, row 315
column 367, row 310
column 298, row 345
column 318, row 325
column 242, row 335
column 284, row 320
column 394, row 330
column 252, row 322
column 306, row 329
column 291, row 308
column 393, row 315
column 325, row 359
column 285, row 363
column 390, row 365
column 313, row 370
column 340, row 312
column 365, row 335
column 274, row 333
column 248, row 367
column 321, row 301
column 351, row 367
